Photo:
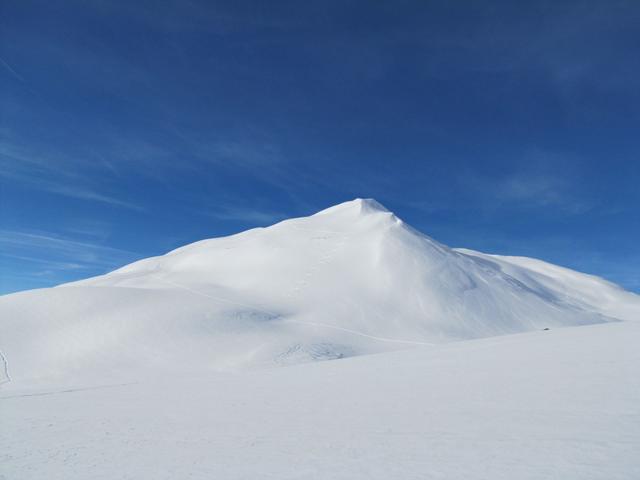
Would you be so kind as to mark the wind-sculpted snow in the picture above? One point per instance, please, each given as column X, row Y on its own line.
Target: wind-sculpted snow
column 350, row 280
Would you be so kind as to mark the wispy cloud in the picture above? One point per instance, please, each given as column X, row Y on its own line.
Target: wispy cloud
column 247, row 215
column 248, row 154
column 253, row 155
column 97, row 230
column 540, row 190
column 31, row 246
column 10, row 69
column 22, row 163
column 538, row 179
column 84, row 194
column 526, row 190
column 32, row 259
column 59, row 175
column 48, row 263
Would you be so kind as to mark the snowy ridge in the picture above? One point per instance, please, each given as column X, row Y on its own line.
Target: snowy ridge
column 350, row 280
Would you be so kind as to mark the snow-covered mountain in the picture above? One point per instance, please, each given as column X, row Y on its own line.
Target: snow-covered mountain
column 150, row 371
column 350, row 280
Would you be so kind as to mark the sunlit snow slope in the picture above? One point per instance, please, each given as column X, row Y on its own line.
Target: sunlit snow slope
column 349, row 280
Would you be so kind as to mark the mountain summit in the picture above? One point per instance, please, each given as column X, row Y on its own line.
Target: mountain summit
column 350, row 280
column 356, row 206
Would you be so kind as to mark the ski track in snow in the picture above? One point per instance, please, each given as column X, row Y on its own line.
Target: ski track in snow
column 5, row 367
column 219, row 299
column 354, row 332
column 66, row 390
column 299, row 322
column 324, row 259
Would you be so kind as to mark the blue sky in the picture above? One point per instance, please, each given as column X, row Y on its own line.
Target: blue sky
column 130, row 128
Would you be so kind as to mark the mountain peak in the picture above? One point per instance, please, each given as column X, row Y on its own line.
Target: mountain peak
column 351, row 280
column 356, row 206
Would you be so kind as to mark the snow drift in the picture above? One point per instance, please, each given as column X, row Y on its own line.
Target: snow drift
column 349, row 280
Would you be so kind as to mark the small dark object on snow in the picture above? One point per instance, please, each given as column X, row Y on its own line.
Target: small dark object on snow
column 546, row 328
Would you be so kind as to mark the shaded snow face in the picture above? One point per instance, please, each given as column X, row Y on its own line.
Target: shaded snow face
column 350, row 280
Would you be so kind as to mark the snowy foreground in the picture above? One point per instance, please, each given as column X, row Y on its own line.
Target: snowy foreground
column 561, row 404
column 206, row 363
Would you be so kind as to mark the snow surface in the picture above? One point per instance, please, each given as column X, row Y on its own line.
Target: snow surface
column 165, row 368
column 558, row 404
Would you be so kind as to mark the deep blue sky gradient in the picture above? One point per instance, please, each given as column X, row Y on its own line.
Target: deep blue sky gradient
column 130, row 128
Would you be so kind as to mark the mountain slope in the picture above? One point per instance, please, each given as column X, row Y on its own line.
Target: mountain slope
column 349, row 280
